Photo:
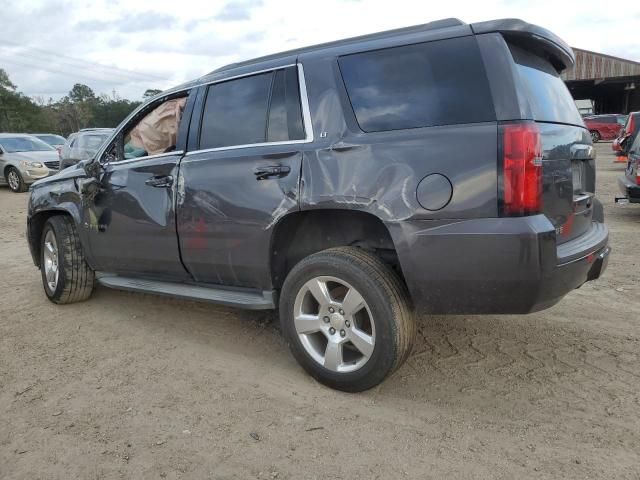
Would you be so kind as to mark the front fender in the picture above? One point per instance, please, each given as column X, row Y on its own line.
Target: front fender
column 57, row 197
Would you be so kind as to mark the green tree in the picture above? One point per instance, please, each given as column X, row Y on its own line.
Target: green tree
column 150, row 92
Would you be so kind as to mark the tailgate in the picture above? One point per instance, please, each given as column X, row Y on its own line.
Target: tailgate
column 568, row 177
column 568, row 163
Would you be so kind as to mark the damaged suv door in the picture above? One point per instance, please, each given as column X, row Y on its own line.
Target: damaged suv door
column 131, row 220
column 241, row 175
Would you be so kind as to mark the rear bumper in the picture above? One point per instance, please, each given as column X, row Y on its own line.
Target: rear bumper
column 629, row 189
column 496, row 265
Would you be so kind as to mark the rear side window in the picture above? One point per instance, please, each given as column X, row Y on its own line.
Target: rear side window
column 285, row 113
column 547, row 94
column 256, row 109
column 422, row 85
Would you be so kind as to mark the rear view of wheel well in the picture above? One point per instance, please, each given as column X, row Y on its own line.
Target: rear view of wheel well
column 36, row 227
column 301, row 234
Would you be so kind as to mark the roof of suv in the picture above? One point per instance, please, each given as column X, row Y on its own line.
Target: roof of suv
column 512, row 27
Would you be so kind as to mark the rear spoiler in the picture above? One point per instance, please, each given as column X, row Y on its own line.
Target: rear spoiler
column 532, row 38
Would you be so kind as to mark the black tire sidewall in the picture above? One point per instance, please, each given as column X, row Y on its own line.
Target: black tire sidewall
column 53, row 226
column 595, row 136
column 384, row 354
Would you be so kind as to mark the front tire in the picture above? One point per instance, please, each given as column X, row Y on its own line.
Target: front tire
column 347, row 318
column 66, row 276
column 595, row 136
column 15, row 180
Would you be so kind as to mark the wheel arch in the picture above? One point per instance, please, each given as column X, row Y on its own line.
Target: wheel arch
column 302, row 233
column 36, row 225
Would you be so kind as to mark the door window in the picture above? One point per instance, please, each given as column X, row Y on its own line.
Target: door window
column 253, row 110
column 157, row 131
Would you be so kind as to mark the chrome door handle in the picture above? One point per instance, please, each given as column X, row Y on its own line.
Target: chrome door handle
column 273, row 171
column 160, row 182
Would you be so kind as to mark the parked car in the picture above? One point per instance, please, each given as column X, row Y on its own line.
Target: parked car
column 323, row 181
column 627, row 135
column 629, row 183
column 82, row 145
column 56, row 141
column 605, row 127
column 24, row 159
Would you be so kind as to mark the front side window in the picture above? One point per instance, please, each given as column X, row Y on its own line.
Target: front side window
column 157, row 131
column 421, row 85
column 253, row 110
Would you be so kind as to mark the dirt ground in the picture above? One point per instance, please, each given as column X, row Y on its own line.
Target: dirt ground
column 135, row 386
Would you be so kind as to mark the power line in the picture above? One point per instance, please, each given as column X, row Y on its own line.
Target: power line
column 68, row 59
column 75, row 68
column 70, row 74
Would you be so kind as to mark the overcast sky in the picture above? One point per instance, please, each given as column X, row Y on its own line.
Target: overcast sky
column 128, row 46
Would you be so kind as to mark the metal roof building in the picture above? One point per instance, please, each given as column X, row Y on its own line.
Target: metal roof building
column 612, row 83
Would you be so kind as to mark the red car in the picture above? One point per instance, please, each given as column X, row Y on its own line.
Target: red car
column 605, row 127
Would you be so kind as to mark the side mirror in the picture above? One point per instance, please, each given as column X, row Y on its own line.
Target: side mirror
column 1, row 151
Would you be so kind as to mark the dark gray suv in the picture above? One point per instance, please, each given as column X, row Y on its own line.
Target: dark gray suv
column 441, row 168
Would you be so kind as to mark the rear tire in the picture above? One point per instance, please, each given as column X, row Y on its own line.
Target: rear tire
column 360, row 331
column 66, row 277
column 15, row 180
column 595, row 136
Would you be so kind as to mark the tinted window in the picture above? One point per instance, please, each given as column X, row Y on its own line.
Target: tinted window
column 426, row 84
column 285, row 114
column 547, row 94
column 235, row 112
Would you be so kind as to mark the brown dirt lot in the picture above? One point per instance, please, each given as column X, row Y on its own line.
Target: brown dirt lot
column 135, row 386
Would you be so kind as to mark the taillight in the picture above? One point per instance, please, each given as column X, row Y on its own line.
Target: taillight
column 631, row 126
column 522, row 169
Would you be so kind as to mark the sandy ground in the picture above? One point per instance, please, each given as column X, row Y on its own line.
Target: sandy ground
column 135, row 386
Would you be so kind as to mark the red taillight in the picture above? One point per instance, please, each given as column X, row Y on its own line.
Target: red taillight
column 522, row 169
column 631, row 125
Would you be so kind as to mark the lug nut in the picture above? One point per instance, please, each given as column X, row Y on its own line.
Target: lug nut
column 331, row 310
column 332, row 330
column 341, row 312
column 342, row 333
column 347, row 323
column 326, row 319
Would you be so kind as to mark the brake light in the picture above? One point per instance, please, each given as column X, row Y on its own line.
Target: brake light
column 522, row 169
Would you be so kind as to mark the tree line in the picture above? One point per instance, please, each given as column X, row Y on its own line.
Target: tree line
column 80, row 108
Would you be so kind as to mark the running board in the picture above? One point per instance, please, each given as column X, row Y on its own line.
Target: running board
column 241, row 298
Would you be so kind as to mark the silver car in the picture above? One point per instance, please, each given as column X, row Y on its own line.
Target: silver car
column 24, row 159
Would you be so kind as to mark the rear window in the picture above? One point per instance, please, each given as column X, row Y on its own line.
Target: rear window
column 422, row 85
column 547, row 94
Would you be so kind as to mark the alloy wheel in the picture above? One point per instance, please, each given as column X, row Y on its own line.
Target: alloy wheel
column 51, row 267
column 334, row 324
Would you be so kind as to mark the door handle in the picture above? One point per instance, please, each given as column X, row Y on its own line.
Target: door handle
column 273, row 171
column 163, row 181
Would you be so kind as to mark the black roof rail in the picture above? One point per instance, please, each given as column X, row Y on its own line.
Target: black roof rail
column 435, row 25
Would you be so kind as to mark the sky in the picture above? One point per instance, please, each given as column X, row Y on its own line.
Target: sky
column 127, row 47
